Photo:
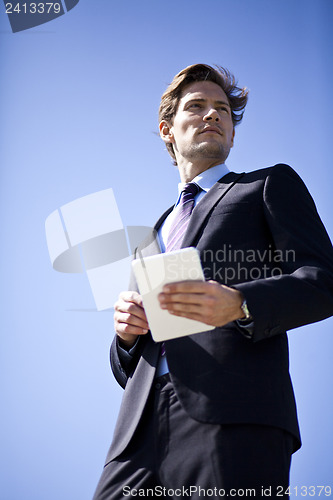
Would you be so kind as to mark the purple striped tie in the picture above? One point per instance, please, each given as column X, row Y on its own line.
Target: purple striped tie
column 181, row 220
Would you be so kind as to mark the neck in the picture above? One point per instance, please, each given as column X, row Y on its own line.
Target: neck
column 189, row 170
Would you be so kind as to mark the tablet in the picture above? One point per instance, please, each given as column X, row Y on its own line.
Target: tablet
column 152, row 273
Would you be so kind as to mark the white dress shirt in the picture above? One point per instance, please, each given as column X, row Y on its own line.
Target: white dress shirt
column 205, row 181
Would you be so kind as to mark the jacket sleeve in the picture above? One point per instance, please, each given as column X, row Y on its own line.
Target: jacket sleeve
column 123, row 363
column 303, row 293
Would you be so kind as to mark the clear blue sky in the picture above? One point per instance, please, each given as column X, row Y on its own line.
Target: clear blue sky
column 79, row 99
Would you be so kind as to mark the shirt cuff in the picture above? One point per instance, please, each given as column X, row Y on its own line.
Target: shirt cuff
column 246, row 327
column 125, row 355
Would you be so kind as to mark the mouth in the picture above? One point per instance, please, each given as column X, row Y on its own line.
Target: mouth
column 211, row 130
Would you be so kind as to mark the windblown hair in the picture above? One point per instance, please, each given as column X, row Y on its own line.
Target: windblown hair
column 237, row 96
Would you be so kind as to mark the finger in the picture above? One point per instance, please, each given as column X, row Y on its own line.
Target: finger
column 130, row 319
column 123, row 329
column 183, row 298
column 125, row 306
column 191, row 286
column 132, row 309
column 130, row 296
column 182, row 308
column 189, row 315
column 199, row 316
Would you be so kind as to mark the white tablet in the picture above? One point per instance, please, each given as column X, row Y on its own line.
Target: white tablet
column 152, row 273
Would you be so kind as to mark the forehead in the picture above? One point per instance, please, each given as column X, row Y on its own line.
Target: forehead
column 202, row 90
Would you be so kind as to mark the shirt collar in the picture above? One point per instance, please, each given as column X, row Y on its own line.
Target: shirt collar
column 208, row 178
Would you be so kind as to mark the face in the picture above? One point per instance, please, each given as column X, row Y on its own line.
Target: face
column 202, row 128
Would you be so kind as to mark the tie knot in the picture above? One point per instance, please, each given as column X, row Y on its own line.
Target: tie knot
column 191, row 188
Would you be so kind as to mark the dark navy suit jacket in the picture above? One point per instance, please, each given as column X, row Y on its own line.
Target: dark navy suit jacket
column 260, row 233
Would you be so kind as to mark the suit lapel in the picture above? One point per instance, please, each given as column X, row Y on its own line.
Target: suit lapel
column 202, row 211
column 162, row 218
column 151, row 245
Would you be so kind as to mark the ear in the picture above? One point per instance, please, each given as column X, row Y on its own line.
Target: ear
column 166, row 131
column 233, row 137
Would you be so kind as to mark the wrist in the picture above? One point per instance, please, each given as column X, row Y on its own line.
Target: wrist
column 126, row 343
column 238, row 300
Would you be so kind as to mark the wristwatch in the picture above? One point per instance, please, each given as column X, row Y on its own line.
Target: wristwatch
column 246, row 311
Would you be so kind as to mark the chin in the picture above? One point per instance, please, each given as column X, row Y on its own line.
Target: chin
column 211, row 150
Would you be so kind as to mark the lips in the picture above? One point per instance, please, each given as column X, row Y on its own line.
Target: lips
column 214, row 130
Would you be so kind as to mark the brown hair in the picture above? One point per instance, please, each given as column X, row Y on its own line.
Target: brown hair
column 237, row 96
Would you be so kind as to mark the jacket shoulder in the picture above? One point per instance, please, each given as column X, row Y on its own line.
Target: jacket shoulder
column 280, row 170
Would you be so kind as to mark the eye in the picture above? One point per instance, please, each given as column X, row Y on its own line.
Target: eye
column 194, row 105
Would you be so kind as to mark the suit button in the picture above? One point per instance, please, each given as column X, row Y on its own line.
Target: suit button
column 267, row 332
column 157, row 385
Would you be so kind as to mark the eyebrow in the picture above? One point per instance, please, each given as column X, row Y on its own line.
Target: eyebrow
column 200, row 99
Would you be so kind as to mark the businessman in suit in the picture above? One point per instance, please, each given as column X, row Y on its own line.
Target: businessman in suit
column 213, row 414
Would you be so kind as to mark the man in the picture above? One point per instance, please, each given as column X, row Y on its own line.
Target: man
column 213, row 414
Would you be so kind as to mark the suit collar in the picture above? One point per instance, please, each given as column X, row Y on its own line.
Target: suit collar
column 163, row 217
column 199, row 215
column 202, row 211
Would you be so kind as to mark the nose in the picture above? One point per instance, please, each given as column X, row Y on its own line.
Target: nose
column 212, row 114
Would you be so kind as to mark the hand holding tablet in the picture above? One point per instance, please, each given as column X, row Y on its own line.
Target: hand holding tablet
column 152, row 273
